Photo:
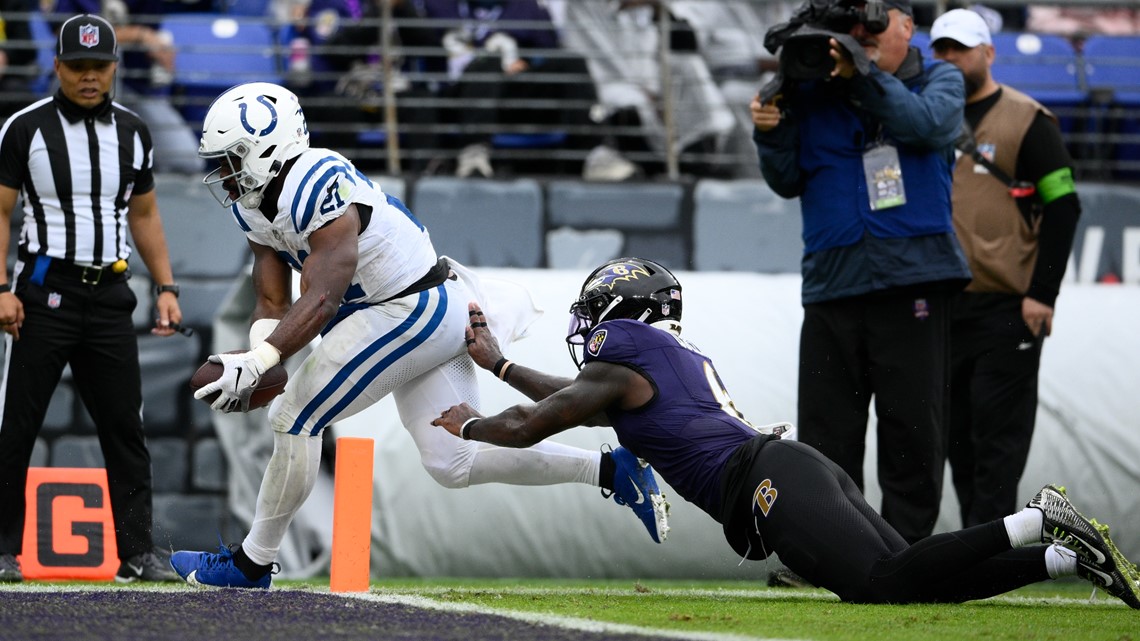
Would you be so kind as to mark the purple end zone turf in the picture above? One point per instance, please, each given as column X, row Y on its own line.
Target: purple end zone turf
column 281, row 615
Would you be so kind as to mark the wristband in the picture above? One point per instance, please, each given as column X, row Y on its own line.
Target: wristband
column 502, row 369
column 5, row 288
column 267, row 355
column 465, row 429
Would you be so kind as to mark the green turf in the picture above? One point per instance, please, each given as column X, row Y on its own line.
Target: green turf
column 1056, row 610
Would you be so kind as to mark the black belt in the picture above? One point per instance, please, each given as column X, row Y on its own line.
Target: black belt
column 88, row 275
column 434, row 278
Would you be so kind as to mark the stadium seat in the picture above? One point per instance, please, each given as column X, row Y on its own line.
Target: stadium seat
column 215, row 53
column 1112, row 71
column 1041, row 65
column 582, row 249
column 40, row 453
column 209, row 470
column 1113, row 63
column 77, row 451
column 191, row 522
column 648, row 214
column 203, row 238
column 743, row 225
column 483, row 223
column 527, row 141
column 168, row 462
column 166, row 364
column 61, row 410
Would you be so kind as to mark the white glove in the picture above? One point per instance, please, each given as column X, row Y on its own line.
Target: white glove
column 240, row 374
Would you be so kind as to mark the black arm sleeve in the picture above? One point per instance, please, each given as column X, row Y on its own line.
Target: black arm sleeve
column 1043, row 152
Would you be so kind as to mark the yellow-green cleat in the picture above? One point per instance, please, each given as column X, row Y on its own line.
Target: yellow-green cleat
column 1098, row 559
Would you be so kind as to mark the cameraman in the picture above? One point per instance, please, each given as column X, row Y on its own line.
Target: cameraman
column 870, row 155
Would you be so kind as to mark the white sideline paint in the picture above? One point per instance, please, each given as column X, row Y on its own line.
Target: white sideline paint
column 571, row 623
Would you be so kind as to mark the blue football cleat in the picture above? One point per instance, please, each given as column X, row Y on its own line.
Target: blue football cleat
column 635, row 486
column 217, row 570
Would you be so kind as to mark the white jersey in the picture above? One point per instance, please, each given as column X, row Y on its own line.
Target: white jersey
column 394, row 248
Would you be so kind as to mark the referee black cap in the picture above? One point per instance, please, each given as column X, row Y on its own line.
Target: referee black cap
column 87, row 37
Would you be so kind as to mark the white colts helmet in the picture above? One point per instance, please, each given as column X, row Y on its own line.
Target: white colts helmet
column 258, row 126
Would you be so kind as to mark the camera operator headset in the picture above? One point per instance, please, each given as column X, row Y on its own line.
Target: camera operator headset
column 861, row 129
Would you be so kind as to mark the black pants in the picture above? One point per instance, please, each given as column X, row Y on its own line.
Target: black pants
column 821, row 527
column 993, row 392
column 894, row 347
column 89, row 327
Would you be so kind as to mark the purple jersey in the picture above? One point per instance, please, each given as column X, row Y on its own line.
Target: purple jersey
column 689, row 429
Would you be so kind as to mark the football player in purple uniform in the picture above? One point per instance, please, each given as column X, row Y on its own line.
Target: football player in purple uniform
column 667, row 404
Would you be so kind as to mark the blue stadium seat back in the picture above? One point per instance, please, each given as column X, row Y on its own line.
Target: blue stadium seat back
column 529, row 141
column 215, row 53
column 372, row 138
column 1112, row 70
column 203, row 238
column 742, row 225
column 485, row 223
column 627, row 206
column 1113, row 62
column 1043, row 66
column 45, row 52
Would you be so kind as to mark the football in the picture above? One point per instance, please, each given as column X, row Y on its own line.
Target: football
column 270, row 386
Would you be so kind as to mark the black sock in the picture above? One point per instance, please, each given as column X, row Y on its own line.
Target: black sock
column 251, row 570
column 606, row 472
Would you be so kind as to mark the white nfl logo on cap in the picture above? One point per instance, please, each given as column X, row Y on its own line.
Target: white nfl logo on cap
column 89, row 35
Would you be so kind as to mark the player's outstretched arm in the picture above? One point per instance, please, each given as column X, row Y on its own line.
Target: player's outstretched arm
column 485, row 351
column 598, row 386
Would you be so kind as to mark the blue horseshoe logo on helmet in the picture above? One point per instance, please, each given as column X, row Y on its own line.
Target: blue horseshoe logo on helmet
column 272, row 117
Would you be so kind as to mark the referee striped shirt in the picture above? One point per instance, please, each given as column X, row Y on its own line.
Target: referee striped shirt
column 76, row 170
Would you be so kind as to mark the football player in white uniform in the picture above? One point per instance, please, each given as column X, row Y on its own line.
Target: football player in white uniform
column 391, row 314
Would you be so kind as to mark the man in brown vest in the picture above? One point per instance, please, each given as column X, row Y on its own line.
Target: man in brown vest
column 1015, row 212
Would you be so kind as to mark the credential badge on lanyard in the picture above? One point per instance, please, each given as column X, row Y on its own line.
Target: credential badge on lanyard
column 884, row 177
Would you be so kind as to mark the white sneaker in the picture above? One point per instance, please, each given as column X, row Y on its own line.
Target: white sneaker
column 606, row 164
column 472, row 159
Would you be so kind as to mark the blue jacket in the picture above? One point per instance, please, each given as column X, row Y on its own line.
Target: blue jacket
column 817, row 154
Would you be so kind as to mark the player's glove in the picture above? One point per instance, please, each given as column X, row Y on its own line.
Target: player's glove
column 240, row 374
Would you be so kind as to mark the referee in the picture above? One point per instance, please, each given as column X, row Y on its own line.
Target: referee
column 82, row 165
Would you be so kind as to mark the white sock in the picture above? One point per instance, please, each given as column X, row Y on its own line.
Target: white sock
column 289, row 477
column 546, row 463
column 1060, row 561
column 1024, row 528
